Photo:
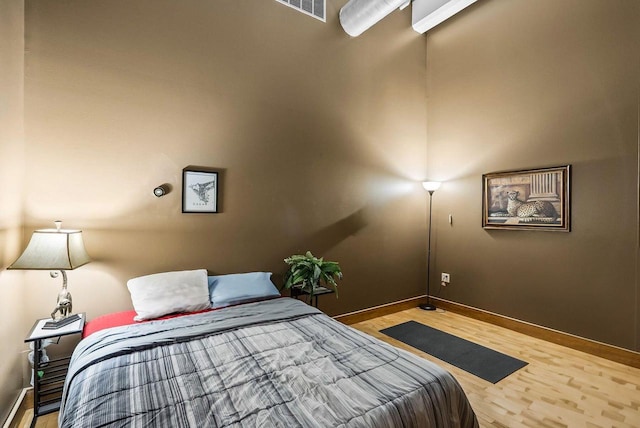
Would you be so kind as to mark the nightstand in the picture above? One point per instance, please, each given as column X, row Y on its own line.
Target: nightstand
column 47, row 388
column 317, row 291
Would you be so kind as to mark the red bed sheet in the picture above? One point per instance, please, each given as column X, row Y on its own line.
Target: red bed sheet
column 118, row 319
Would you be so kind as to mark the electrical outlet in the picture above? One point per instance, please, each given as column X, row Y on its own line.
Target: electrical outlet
column 445, row 278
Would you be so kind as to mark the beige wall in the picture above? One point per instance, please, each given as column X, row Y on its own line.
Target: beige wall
column 320, row 140
column 525, row 84
column 12, row 359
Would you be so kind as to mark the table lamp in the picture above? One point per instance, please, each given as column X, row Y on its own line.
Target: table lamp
column 56, row 250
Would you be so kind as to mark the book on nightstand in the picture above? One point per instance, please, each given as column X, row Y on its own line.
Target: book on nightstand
column 54, row 325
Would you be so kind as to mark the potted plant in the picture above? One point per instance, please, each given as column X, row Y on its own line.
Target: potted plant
column 307, row 273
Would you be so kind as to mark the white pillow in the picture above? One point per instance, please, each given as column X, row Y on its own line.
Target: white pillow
column 164, row 293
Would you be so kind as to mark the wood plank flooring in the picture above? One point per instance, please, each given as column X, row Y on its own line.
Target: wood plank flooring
column 46, row 421
column 560, row 387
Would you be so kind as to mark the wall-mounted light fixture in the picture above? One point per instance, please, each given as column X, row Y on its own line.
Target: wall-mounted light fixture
column 162, row 190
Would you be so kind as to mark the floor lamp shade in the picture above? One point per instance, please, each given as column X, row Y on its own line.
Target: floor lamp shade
column 431, row 186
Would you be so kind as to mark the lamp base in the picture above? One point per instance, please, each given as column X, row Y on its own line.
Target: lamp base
column 61, row 322
column 427, row 307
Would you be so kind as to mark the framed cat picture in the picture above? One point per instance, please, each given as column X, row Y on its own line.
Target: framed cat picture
column 534, row 199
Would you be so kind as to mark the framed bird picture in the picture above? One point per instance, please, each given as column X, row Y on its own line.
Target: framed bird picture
column 199, row 191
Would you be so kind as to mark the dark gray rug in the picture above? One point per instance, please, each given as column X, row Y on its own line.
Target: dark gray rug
column 483, row 362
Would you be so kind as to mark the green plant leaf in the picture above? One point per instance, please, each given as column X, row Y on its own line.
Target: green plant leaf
column 308, row 271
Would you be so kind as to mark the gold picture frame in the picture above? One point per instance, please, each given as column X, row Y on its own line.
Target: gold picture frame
column 534, row 199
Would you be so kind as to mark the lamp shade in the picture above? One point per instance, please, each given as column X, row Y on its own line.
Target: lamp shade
column 431, row 186
column 53, row 249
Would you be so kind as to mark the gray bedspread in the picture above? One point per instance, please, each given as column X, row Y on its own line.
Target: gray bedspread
column 277, row 363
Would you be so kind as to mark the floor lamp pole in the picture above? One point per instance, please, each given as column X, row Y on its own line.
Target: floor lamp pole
column 428, row 306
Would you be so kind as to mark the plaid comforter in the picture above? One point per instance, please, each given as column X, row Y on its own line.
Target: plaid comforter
column 278, row 363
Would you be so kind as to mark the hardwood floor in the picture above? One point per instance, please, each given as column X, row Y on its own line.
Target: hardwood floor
column 46, row 421
column 560, row 387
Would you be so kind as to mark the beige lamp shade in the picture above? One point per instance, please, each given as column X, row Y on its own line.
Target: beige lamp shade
column 431, row 186
column 53, row 249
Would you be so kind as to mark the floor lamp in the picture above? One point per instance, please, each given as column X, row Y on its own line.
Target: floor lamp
column 430, row 186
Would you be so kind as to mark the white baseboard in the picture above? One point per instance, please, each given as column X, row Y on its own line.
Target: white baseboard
column 18, row 409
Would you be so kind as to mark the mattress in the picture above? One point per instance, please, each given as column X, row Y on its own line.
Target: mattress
column 277, row 363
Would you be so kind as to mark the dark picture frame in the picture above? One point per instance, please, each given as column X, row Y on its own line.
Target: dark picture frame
column 533, row 199
column 199, row 191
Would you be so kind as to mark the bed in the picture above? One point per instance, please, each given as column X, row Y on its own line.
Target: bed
column 271, row 363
